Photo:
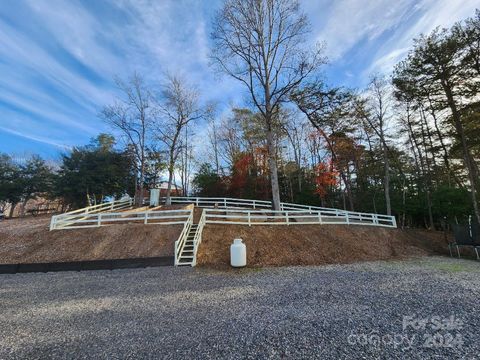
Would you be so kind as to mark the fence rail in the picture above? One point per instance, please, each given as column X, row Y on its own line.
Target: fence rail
column 76, row 221
column 221, row 202
column 218, row 211
column 289, row 213
column 269, row 217
column 68, row 219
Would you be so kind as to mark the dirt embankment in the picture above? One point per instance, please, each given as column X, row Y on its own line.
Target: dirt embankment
column 28, row 240
column 316, row 244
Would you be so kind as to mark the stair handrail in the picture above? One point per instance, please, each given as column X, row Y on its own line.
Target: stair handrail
column 182, row 238
column 198, row 236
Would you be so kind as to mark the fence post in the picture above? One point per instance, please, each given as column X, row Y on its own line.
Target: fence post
column 99, row 220
column 286, row 213
column 176, row 250
column 249, row 223
column 224, row 202
column 320, row 217
column 347, row 218
column 146, row 218
column 196, row 201
column 111, row 206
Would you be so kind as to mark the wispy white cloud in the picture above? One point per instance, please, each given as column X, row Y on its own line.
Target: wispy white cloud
column 41, row 139
column 348, row 22
column 432, row 14
column 60, row 70
column 58, row 58
column 379, row 33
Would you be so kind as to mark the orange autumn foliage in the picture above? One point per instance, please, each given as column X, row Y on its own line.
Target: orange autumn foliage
column 325, row 177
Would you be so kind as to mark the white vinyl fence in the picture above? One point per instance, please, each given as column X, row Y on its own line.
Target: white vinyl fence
column 298, row 217
column 217, row 211
column 107, row 214
column 238, row 211
column 71, row 217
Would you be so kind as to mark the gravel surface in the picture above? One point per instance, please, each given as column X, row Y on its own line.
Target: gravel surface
column 328, row 312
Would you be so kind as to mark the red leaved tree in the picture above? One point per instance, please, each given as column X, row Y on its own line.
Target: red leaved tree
column 325, row 177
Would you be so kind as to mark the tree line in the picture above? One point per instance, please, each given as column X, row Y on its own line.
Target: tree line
column 407, row 144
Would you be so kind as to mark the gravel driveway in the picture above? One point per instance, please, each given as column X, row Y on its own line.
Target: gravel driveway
column 421, row 308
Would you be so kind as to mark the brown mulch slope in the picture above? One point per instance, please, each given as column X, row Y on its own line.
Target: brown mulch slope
column 316, row 244
column 28, row 240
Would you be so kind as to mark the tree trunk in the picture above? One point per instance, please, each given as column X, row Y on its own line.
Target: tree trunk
column 428, row 172
column 24, row 206
column 171, row 165
column 387, row 184
column 168, row 199
column 12, row 208
column 272, row 164
column 466, row 154
column 141, row 182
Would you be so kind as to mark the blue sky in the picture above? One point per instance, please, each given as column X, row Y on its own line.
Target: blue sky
column 58, row 58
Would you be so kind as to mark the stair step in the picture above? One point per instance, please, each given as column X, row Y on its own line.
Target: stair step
column 186, row 257
column 183, row 264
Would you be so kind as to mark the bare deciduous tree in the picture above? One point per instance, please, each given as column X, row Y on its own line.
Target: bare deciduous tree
column 132, row 115
column 178, row 108
column 260, row 43
column 294, row 127
column 214, row 142
column 376, row 115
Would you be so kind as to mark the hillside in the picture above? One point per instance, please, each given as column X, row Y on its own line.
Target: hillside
column 28, row 240
column 316, row 244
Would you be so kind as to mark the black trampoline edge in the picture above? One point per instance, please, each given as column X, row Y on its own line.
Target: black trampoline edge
column 133, row 263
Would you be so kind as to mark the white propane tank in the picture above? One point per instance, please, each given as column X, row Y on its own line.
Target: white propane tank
column 154, row 197
column 238, row 253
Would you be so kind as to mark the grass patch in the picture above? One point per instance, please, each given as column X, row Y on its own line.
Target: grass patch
column 453, row 266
